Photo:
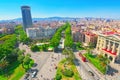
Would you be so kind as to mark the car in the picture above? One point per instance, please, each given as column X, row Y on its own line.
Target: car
column 26, row 76
column 34, row 65
column 34, row 73
column 91, row 73
column 26, row 79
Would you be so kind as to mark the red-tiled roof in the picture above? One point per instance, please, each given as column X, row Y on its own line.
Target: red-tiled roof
column 90, row 34
column 108, row 33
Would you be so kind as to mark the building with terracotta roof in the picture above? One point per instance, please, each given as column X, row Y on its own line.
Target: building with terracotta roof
column 78, row 34
column 90, row 38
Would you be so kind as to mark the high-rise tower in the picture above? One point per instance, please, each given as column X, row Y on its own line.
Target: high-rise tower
column 26, row 16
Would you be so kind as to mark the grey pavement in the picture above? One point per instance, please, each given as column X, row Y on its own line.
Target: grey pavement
column 116, row 72
column 39, row 58
column 48, row 71
column 45, row 63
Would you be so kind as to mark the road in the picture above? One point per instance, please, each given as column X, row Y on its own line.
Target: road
column 115, row 70
column 83, row 69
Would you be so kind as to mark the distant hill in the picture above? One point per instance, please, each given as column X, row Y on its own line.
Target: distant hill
column 49, row 19
column 40, row 19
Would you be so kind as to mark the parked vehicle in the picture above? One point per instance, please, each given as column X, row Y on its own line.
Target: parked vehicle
column 82, row 57
column 26, row 76
column 26, row 79
column 34, row 73
column 91, row 73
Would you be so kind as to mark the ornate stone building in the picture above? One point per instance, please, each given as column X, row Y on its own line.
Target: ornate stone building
column 108, row 44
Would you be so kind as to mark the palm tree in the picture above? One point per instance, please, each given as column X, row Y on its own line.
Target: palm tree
column 104, row 61
column 3, row 65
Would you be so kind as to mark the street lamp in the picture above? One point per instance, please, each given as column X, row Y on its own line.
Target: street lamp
column 106, row 69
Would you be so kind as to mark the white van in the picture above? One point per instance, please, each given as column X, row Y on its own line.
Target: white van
column 34, row 74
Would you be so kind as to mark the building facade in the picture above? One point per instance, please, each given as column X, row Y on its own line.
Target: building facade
column 90, row 38
column 26, row 16
column 78, row 36
column 109, row 46
column 40, row 32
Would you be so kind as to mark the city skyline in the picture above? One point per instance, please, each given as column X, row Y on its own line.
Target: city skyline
column 76, row 8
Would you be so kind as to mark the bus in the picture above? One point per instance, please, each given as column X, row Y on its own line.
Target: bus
column 82, row 57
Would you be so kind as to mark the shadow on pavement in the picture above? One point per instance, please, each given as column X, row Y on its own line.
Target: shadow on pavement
column 111, row 71
column 77, row 62
column 34, row 65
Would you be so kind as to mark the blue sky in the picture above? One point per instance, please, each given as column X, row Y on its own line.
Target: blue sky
column 10, row 9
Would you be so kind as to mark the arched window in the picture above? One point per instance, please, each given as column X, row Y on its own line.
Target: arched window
column 111, row 58
column 106, row 55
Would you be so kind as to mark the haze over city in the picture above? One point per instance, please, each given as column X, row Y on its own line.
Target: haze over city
column 10, row 9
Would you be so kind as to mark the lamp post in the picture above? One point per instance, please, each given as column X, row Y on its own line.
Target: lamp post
column 106, row 69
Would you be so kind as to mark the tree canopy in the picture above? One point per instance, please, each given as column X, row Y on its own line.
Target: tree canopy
column 68, row 36
column 22, row 36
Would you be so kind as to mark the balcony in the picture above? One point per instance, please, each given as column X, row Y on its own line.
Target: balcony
column 110, row 51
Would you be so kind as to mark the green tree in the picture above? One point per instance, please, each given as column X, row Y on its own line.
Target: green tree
column 65, row 52
column 20, row 52
column 91, row 45
column 70, row 55
column 104, row 61
column 20, row 59
column 26, row 61
column 54, row 42
column 58, row 77
column 11, row 57
column 34, row 48
column 68, row 73
column 7, row 48
column 28, row 54
column 68, row 36
column 22, row 36
column 78, row 44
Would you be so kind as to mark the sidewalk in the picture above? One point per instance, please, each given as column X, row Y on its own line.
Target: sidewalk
column 96, row 71
column 48, row 71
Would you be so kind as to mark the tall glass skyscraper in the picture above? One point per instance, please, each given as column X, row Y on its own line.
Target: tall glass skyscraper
column 26, row 16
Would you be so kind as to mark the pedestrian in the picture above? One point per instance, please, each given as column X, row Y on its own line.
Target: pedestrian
column 50, row 70
column 41, row 76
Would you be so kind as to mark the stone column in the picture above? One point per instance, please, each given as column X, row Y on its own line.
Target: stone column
column 98, row 43
column 108, row 46
column 104, row 47
column 118, row 51
column 113, row 47
column 113, row 60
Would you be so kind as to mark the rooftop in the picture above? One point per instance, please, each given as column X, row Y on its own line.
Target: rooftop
column 25, row 6
column 111, row 35
column 90, row 34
